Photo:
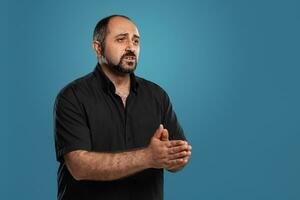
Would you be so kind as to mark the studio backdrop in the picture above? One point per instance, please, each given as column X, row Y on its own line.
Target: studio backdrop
column 231, row 69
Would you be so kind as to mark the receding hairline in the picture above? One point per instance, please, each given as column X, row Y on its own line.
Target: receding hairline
column 102, row 25
column 122, row 17
column 102, row 29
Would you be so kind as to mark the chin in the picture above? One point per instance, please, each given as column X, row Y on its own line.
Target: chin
column 129, row 67
column 128, row 70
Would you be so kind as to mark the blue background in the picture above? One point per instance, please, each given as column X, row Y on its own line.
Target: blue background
column 230, row 67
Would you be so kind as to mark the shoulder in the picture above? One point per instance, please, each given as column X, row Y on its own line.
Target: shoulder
column 78, row 88
column 149, row 86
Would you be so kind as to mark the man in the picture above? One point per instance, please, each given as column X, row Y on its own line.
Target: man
column 116, row 132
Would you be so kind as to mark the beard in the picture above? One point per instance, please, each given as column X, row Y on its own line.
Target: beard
column 124, row 66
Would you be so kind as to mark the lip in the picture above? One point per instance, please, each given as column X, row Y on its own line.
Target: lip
column 130, row 58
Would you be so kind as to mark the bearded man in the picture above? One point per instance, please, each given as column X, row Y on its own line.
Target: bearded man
column 115, row 132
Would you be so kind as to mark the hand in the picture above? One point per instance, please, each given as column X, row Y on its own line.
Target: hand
column 186, row 152
column 185, row 160
column 164, row 154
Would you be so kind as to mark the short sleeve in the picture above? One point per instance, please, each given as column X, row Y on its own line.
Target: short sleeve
column 170, row 121
column 70, row 124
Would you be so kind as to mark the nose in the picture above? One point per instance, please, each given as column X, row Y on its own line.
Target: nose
column 130, row 46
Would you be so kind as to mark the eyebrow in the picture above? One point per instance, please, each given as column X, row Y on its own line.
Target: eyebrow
column 126, row 34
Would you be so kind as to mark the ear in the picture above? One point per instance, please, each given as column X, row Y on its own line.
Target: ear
column 97, row 48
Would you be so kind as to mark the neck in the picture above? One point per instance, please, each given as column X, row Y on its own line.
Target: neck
column 120, row 81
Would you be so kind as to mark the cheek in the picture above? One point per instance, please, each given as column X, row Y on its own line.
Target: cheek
column 113, row 54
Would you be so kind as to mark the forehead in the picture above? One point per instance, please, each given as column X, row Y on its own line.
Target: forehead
column 118, row 25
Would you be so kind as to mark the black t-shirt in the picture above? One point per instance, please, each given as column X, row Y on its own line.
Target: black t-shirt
column 88, row 115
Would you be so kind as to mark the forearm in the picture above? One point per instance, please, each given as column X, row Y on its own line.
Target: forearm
column 107, row 166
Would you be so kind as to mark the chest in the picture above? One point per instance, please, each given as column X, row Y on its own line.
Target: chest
column 114, row 127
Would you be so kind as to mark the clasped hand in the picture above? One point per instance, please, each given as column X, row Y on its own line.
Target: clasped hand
column 169, row 154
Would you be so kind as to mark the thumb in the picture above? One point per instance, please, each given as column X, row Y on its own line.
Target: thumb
column 165, row 135
column 158, row 132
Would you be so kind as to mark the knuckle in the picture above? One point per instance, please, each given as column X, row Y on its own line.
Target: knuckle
column 176, row 149
column 168, row 144
column 165, row 163
column 171, row 150
column 165, row 149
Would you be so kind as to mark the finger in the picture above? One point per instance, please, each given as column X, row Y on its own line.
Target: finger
column 173, row 143
column 187, row 157
column 179, row 161
column 178, row 166
column 165, row 135
column 175, row 167
column 189, row 153
column 158, row 132
column 181, row 154
column 177, row 149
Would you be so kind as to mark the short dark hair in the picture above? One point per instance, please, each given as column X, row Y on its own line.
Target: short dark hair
column 101, row 29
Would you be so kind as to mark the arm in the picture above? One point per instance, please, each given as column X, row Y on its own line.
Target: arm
column 73, row 146
column 85, row 165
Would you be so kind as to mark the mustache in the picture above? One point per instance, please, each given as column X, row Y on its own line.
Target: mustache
column 129, row 53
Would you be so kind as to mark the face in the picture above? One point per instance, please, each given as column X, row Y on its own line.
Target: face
column 122, row 46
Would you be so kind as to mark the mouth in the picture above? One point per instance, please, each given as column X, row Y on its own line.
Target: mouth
column 129, row 58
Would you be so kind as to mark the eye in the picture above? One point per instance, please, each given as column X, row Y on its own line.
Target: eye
column 136, row 41
column 120, row 39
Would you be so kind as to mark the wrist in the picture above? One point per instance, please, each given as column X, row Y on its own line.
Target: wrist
column 147, row 157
